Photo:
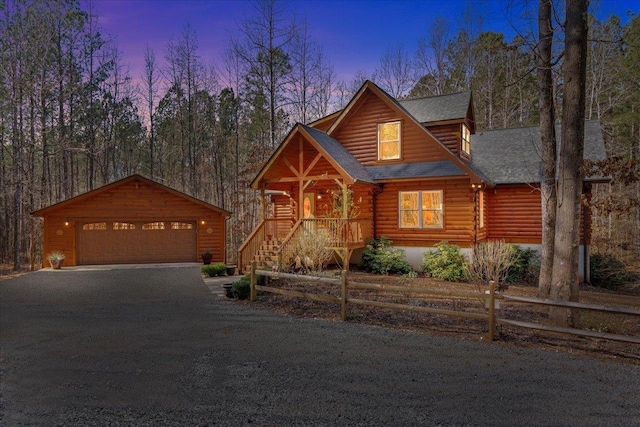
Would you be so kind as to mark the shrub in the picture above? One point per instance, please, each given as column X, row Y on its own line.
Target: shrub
column 215, row 269
column 607, row 271
column 260, row 279
column 311, row 250
column 380, row 258
column 242, row 288
column 491, row 261
column 447, row 262
column 526, row 269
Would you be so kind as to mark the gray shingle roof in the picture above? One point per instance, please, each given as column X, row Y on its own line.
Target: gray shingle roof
column 340, row 154
column 512, row 156
column 414, row 170
column 438, row 108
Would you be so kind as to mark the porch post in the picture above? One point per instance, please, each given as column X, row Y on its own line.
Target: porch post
column 263, row 205
column 345, row 194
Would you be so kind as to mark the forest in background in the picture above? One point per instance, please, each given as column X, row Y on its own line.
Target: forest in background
column 73, row 118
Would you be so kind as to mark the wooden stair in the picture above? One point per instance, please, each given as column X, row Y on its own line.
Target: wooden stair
column 266, row 256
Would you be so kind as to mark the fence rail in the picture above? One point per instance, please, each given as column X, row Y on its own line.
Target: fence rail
column 489, row 298
column 571, row 331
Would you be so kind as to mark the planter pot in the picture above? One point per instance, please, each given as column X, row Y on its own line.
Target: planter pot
column 56, row 264
column 227, row 290
column 231, row 270
column 206, row 259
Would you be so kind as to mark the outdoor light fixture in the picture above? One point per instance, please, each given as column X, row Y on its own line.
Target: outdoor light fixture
column 66, row 223
column 202, row 222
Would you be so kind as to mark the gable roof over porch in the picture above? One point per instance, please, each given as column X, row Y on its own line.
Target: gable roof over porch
column 328, row 148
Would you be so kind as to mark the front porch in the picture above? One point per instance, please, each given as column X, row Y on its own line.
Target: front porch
column 273, row 241
column 310, row 187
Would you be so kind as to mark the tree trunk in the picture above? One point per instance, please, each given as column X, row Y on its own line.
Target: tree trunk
column 565, row 284
column 547, row 146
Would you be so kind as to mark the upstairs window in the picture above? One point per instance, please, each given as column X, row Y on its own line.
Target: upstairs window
column 421, row 209
column 389, row 141
column 466, row 140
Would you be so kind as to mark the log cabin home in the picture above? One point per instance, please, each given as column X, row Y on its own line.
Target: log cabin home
column 416, row 171
column 133, row 221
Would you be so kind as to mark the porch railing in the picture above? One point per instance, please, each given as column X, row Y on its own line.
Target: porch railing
column 342, row 234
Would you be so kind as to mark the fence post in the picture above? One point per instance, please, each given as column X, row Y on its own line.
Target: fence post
column 492, row 309
column 343, row 303
column 253, row 281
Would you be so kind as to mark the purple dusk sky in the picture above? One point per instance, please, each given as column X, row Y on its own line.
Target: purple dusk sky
column 353, row 33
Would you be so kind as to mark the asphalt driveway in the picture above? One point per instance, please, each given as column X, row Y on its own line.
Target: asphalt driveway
column 157, row 347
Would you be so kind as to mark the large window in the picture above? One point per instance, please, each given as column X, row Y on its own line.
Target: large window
column 421, row 209
column 389, row 141
column 466, row 140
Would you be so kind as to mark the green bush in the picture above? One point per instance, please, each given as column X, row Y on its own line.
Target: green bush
column 242, row 288
column 447, row 262
column 608, row 272
column 215, row 269
column 526, row 268
column 380, row 258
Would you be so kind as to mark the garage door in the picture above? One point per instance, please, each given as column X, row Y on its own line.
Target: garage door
column 136, row 242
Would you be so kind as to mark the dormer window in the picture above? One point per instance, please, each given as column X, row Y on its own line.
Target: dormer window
column 466, row 140
column 389, row 141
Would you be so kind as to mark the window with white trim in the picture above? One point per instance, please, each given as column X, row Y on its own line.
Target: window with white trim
column 466, row 140
column 421, row 209
column 389, row 141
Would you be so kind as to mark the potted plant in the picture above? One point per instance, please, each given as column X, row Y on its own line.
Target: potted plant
column 231, row 270
column 227, row 290
column 207, row 256
column 55, row 259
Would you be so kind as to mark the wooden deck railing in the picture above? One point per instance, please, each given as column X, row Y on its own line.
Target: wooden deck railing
column 343, row 233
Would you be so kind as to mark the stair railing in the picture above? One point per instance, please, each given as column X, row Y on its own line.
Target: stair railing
column 274, row 229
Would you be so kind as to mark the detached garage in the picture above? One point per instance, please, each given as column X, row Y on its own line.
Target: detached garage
column 134, row 220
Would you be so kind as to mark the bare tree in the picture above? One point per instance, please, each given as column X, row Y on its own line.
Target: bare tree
column 345, row 91
column 311, row 77
column 547, row 145
column 564, row 285
column 150, row 79
column 395, row 71
column 263, row 49
column 431, row 60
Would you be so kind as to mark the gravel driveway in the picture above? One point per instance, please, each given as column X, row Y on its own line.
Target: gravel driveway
column 155, row 347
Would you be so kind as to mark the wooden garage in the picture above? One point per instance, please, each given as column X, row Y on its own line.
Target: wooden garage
column 134, row 220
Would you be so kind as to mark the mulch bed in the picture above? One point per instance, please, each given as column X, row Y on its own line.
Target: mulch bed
column 433, row 324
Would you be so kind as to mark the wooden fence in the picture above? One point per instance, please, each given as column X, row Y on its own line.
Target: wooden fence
column 489, row 298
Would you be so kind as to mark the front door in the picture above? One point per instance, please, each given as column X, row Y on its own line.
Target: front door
column 309, row 205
